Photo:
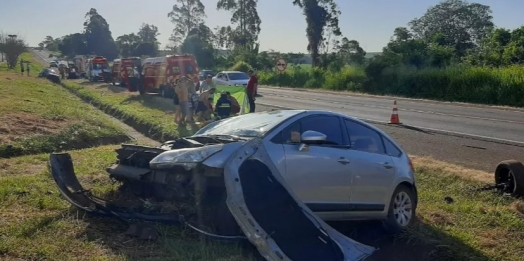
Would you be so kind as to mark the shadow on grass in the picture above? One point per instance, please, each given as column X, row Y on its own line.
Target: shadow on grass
column 173, row 243
column 423, row 242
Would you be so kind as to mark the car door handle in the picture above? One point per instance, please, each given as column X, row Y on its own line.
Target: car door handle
column 387, row 165
column 343, row 161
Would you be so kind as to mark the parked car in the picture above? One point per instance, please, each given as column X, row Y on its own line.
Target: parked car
column 202, row 75
column 342, row 168
column 51, row 74
column 231, row 78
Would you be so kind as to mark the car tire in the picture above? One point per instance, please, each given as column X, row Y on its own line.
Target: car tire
column 510, row 173
column 226, row 225
column 401, row 207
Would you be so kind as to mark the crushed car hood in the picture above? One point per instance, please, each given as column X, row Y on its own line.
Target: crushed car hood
column 274, row 219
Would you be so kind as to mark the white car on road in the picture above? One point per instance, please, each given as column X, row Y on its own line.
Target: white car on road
column 231, row 78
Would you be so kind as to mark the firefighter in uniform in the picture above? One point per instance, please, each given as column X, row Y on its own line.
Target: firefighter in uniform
column 223, row 106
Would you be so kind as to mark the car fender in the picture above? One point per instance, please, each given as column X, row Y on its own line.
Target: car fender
column 219, row 159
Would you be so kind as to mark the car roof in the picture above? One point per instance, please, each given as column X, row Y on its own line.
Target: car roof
column 231, row 72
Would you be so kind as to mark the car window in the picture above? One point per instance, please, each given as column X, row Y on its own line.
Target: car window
column 327, row 125
column 391, row 149
column 291, row 135
column 363, row 138
column 238, row 76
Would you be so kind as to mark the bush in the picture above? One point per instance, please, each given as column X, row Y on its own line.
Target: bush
column 241, row 66
column 496, row 86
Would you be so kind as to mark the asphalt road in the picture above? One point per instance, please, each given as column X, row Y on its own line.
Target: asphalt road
column 43, row 55
column 506, row 124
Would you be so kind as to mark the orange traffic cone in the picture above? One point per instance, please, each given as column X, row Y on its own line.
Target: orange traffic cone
column 394, row 115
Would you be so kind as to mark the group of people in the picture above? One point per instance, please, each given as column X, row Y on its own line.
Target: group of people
column 189, row 103
column 27, row 68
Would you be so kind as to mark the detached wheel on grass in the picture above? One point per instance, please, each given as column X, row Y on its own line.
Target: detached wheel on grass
column 402, row 210
column 510, row 175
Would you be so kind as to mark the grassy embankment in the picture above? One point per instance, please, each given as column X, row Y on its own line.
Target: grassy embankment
column 494, row 86
column 37, row 116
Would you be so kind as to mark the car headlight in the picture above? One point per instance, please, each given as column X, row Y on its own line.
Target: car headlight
column 188, row 158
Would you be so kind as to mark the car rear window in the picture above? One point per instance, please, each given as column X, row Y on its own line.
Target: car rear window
column 391, row 149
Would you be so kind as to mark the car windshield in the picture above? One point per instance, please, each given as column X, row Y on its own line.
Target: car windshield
column 238, row 76
column 248, row 125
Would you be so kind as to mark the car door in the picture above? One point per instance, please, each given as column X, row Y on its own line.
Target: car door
column 372, row 169
column 320, row 175
column 218, row 79
column 225, row 78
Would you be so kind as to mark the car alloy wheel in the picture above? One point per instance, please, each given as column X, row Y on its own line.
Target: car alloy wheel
column 402, row 208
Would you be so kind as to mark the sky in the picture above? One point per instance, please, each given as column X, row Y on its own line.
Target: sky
column 371, row 22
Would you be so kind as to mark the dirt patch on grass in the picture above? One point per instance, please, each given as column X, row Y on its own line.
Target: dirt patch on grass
column 14, row 126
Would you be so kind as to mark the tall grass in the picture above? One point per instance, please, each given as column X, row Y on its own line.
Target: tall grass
column 349, row 78
column 496, row 86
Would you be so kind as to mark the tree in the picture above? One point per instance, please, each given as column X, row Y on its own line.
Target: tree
column 351, row 52
column 127, row 43
column 50, row 43
column 320, row 14
column 463, row 25
column 145, row 49
column 245, row 15
column 201, row 49
column 148, row 33
column 98, row 36
column 186, row 15
column 73, row 44
column 12, row 47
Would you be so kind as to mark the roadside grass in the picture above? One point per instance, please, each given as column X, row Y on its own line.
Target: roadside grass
column 150, row 114
column 38, row 116
column 35, row 66
column 36, row 223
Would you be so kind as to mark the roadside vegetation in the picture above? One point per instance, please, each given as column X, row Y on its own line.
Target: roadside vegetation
column 152, row 115
column 36, row 223
column 37, row 116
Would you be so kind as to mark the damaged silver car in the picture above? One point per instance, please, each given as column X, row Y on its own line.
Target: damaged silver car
column 302, row 161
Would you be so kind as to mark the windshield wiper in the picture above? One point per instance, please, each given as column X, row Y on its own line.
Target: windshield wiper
column 223, row 136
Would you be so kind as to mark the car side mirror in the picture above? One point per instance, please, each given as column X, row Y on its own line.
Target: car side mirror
column 311, row 138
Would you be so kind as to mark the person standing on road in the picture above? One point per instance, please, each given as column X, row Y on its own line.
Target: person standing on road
column 22, row 66
column 207, row 84
column 28, row 69
column 252, row 85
